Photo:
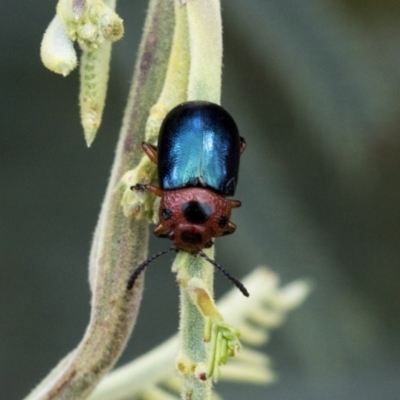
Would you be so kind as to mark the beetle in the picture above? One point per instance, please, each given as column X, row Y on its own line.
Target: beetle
column 197, row 156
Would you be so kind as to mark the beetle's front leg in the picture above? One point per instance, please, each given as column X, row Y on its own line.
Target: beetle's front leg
column 150, row 151
column 148, row 188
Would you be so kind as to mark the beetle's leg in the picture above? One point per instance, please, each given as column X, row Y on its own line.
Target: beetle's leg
column 149, row 188
column 150, row 151
column 209, row 244
column 161, row 231
column 242, row 144
column 235, row 203
column 229, row 229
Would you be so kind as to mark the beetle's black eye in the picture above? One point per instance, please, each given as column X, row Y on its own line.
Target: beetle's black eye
column 166, row 213
column 195, row 212
column 222, row 221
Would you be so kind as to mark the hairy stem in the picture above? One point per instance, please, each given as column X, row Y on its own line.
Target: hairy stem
column 205, row 44
column 119, row 243
column 193, row 356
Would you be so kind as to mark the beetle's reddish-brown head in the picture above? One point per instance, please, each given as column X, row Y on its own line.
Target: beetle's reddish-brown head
column 192, row 217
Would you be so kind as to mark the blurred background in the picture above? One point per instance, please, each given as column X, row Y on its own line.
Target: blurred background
column 315, row 89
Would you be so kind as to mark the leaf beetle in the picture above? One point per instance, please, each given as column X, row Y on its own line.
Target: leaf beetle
column 197, row 156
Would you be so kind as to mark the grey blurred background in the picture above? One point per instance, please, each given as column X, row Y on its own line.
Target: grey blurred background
column 315, row 89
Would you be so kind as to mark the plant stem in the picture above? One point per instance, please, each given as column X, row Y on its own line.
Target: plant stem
column 119, row 243
column 193, row 356
column 205, row 36
column 205, row 44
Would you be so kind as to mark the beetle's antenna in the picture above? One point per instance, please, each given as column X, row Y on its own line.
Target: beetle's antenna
column 143, row 265
column 234, row 280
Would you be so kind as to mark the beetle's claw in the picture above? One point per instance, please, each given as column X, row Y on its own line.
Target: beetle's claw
column 138, row 186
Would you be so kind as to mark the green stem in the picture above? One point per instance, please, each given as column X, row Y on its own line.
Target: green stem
column 205, row 36
column 193, row 354
column 205, row 43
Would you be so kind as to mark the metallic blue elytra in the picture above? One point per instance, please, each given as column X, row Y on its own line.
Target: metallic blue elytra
column 199, row 146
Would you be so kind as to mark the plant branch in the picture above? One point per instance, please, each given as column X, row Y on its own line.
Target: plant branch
column 119, row 243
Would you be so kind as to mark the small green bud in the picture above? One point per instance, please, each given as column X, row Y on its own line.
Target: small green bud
column 224, row 344
column 111, row 26
column 88, row 36
column 94, row 75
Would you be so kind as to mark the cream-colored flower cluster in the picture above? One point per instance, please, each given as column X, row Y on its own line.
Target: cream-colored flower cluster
column 89, row 22
column 94, row 25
